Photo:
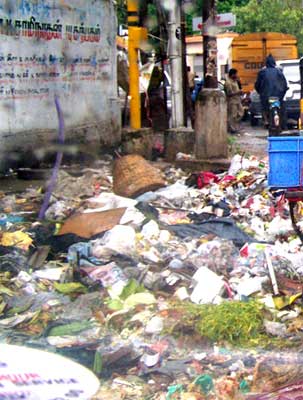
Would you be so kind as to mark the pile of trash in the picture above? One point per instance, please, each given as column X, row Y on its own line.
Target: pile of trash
column 191, row 291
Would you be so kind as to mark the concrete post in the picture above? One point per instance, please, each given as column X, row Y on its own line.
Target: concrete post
column 211, row 125
column 175, row 57
column 178, row 140
column 210, row 44
column 211, row 109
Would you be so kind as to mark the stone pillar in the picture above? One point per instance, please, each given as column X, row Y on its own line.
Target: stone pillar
column 178, row 140
column 137, row 141
column 210, row 50
column 211, row 125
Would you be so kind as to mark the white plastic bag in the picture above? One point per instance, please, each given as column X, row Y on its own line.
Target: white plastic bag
column 120, row 239
column 208, row 286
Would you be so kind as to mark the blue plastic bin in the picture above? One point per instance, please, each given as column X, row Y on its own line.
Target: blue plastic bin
column 285, row 161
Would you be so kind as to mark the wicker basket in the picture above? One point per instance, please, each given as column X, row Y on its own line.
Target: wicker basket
column 133, row 176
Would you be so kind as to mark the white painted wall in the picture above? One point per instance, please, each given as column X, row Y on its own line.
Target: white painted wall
column 57, row 47
column 224, row 45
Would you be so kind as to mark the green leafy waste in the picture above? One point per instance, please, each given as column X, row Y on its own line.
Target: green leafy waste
column 70, row 288
column 235, row 322
column 98, row 364
column 132, row 294
column 72, row 328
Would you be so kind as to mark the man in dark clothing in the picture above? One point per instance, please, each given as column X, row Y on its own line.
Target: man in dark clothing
column 270, row 82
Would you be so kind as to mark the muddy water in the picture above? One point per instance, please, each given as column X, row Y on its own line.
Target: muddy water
column 12, row 184
column 27, row 179
column 252, row 141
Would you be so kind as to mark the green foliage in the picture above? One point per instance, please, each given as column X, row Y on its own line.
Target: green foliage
column 189, row 24
column 98, row 363
column 71, row 288
column 223, row 6
column 121, row 11
column 131, row 289
column 73, row 328
column 284, row 16
column 235, row 322
column 271, row 16
column 152, row 16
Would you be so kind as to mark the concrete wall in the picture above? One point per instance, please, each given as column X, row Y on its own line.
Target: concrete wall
column 64, row 48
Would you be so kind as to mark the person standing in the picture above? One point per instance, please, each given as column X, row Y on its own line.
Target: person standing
column 233, row 93
column 270, row 82
column 190, row 112
column 190, row 79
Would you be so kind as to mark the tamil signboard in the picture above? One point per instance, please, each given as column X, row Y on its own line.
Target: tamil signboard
column 57, row 48
column 227, row 20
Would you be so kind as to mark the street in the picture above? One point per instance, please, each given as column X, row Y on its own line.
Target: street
column 253, row 140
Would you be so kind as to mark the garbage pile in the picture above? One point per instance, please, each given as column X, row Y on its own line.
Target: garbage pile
column 190, row 291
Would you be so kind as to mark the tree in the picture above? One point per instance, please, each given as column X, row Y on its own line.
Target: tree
column 223, row 6
column 153, row 16
column 147, row 9
column 272, row 16
column 121, row 11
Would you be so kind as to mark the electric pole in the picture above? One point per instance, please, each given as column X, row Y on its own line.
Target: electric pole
column 210, row 44
column 175, row 57
column 134, row 91
column 136, row 35
column 185, row 87
column 211, row 110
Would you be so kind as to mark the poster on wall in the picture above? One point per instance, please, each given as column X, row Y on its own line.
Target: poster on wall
column 43, row 45
column 49, row 47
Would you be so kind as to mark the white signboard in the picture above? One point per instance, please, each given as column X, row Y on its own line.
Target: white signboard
column 30, row 374
column 227, row 20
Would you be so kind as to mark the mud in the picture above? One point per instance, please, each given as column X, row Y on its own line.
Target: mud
column 252, row 141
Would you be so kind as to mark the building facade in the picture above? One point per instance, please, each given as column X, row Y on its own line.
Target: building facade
column 194, row 51
column 57, row 48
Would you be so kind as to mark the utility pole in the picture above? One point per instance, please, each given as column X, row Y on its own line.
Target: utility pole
column 209, row 44
column 163, row 49
column 211, row 110
column 185, row 87
column 175, row 57
column 134, row 38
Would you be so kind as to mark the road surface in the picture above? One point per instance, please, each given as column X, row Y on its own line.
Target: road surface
column 252, row 141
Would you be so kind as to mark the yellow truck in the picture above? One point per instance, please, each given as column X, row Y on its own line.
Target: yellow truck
column 249, row 52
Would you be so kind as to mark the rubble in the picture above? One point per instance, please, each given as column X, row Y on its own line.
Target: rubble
column 185, row 292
